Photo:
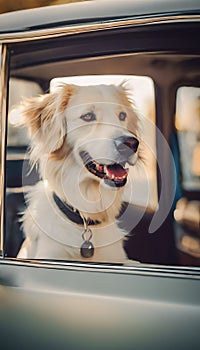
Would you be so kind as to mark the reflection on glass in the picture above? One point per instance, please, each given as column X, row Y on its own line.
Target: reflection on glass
column 142, row 93
column 187, row 213
column 188, row 128
column 142, row 191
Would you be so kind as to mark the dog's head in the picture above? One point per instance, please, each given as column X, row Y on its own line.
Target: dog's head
column 96, row 125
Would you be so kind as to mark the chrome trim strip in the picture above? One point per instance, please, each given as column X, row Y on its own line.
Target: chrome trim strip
column 3, row 108
column 95, row 26
column 182, row 272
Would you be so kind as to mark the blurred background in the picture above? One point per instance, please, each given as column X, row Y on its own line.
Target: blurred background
column 14, row 5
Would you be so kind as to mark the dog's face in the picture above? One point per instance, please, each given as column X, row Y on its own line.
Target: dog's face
column 97, row 125
column 102, row 129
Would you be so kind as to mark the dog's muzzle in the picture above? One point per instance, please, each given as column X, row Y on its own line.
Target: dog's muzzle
column 126, row 146
column 115, row 174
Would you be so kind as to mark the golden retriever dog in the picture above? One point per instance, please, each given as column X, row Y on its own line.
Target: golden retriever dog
column 84, row 139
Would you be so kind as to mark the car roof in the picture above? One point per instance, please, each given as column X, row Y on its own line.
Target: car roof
column 91, row 12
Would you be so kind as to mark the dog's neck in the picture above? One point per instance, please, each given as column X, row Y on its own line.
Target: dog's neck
column 88, row 196
column 72, row 213
column 76, row 217
column 87, row 248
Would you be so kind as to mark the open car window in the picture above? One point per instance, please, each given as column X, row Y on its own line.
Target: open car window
column 141, row 90
column 142, row 190
column 55, row 70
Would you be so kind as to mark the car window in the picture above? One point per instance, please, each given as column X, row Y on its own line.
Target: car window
column 188, row 130
column 64, row 72
column 187, row 212
column 142, row 92
column 141, row 89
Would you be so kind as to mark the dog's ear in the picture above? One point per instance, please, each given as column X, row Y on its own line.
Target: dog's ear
column 45, row 118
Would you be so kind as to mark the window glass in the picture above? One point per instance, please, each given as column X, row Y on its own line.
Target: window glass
column 187, row 212
column 19, row 89
column 188, row 130
column 21, row 176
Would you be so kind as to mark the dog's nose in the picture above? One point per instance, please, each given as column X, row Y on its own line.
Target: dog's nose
column 126, row 145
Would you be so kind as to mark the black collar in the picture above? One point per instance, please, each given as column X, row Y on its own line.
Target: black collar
column 72, row 213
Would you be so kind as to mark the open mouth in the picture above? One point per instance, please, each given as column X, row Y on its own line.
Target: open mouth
column 114, row 175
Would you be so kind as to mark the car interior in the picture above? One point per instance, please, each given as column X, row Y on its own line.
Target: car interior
column 162, row 69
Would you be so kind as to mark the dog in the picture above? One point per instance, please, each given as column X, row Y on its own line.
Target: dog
column 84, row 140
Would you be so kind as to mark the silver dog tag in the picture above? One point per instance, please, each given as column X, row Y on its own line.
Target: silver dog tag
column 87, row 248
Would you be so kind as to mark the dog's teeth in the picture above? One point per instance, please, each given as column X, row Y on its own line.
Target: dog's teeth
column 101, row 168
column 113, row 176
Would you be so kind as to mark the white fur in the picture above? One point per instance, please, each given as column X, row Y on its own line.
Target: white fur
column 58, row 134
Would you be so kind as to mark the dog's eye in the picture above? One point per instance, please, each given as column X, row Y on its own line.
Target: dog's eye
column 88, row 117
column 122, row 116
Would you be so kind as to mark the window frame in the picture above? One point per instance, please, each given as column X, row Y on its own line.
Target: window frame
column 4, row 113
column 4, row 77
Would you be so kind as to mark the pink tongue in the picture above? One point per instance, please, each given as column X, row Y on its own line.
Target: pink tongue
column 117, row 170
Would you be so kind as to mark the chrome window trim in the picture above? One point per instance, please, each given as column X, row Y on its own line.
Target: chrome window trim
column 3, row 111
column 96, row 26
column 182, row 272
